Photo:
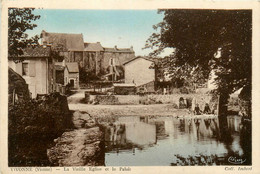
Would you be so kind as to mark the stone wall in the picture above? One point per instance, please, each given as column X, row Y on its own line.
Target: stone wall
column 200, row 99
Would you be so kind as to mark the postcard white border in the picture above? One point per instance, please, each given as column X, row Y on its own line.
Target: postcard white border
column 136, row 4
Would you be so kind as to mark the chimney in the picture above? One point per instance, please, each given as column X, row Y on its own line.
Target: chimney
column 132, row 48
column 44, row 44
column 43, row 33
column 63, row 63
column 115, row 47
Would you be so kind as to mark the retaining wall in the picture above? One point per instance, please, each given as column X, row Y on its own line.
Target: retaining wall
column 200, row 99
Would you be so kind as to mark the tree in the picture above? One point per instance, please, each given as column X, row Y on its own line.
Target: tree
column 206, row 41
column 19, row 21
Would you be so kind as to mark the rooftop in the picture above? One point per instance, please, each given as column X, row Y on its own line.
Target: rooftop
column 120, row 50
column 73, row 67
column 93, row 47
column 37, row 51
column 63, row 41
column 59, row 67
column 139, row 57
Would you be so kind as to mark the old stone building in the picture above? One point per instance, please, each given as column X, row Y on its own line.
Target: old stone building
column 70, row 46
column 91, row 57
column 106, row 61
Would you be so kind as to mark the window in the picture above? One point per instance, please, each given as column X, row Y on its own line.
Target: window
column 111, row 62
column 25, row 69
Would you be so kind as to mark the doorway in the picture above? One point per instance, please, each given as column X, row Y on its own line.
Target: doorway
column 72, row 83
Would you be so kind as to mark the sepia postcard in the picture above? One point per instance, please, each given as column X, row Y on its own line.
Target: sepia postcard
column 129, row 86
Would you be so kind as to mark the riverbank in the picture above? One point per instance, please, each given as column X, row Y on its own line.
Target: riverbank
column 81, row 146
column 129, row 110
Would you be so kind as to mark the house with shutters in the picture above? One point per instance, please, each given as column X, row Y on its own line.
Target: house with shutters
column 37, row 69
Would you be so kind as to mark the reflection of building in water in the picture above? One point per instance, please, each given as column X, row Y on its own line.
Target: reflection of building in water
column 169, row 127
column 234, row 124
column 141, row 133
column 130, row 131
column 160, row 129
column 115, row 136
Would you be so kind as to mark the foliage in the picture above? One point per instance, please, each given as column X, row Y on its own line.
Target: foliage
column 87, row 76
column 38, row 116
column 32, row 125
column 206, row 41
column 19, row 21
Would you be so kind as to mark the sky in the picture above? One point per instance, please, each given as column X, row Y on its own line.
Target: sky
column 124, row 28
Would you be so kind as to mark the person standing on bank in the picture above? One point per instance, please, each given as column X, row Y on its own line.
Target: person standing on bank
column 207, row 109
column 197, row 110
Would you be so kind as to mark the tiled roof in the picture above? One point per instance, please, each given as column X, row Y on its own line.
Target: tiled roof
column 59, row 67
column 73, row 67
column 37, row 51
column 93, row 47
column 63, row 41
column 58, row 63
column 146, row 58
column 119, row 50
column 124, row 50
column 109, row 49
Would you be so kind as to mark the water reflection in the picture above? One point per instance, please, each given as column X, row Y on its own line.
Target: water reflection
column 165, row 141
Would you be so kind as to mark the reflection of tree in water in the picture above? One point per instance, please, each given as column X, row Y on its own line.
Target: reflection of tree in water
column 201, row 160
column 224, row 136
column 189, row 122
column 160, row 129
column 203, row 129
column 207, row 123
column 246, row 141
column 197, row 123
column 182, row 125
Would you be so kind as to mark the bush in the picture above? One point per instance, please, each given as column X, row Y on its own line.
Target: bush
column 49, row 116
column 32, row 126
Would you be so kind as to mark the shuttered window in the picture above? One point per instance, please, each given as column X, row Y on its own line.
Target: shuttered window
column 25, row 69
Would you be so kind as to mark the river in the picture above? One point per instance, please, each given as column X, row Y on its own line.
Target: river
column 171, row 141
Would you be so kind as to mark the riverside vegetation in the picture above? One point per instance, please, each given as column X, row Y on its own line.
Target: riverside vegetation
column 32, row 126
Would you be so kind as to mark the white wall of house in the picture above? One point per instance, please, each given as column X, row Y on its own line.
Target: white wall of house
column 75, row 78
column 66, row 76
column 139, row 72
column 35, row 75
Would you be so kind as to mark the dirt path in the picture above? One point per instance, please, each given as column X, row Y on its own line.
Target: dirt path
column 79, row 147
